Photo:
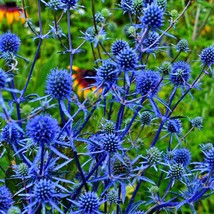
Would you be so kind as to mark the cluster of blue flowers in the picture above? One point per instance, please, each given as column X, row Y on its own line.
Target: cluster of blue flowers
column 52, row 172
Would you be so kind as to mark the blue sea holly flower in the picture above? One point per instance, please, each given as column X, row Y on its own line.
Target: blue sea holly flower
column 110, row 143
column 147, row 82
column 59, row 84
column 42, row 129
column 149, row 40
column 153, row 16
column 46, row 192
column 127, row 59
column 6, row 200
column 180, row 73
column 207, row 56
column 197, row 122
column 174, row 126
column 176, row 171
column 106, row 75
column 9, row 42
column 126, row 5
column 10, row 134
column 153, row 158
column 182, row 156
column 118, row 46
column 182, row 46
column 88, row 203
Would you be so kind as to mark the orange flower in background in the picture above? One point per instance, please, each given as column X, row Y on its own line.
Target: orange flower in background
column 80, row 81
column 11, row 12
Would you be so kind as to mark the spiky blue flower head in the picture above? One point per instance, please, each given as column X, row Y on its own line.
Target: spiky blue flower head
column 207, row 56
column 153, row 156
column 106, row 73
column 197, row 122
column 206, row 147
column 89, row 202
column 147, row 82
column 176, row 171
column 153, row 16
column 180, row 73
column 3, row 79
column 165, row 68
column 127, row 59
column 42, row 129
column 112, row 196
column 209, row 157
column 5, row 199
column 10, row 134
column 118, row 46
column 22, row 170
column 145, row 118
column 9, row 42
column 174, row 126
column 182, row 156
column 59, row 84
column 44, row 190
column 110, row 142
column 69, row 3
column 149, row 40
column 182, row 45
column 126, row 5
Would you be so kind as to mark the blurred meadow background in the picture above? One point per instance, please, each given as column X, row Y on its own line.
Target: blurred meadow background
column 196, row 26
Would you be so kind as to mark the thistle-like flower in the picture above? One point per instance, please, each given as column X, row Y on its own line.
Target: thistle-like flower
column 180, row 73
column 147, row 82
column 182, row 156
column 127, row 59
column 145, row 118
column 149, row 40
column 88, row 203
column 118, row 46
column 174, row 126
column 59, row 84
column 9, row 42
column 176, row 171
column 165, row 68
column 182, row 46
column 5, row 199
column 197, row 122
column 106, row 75
column 126, row 5
column 42, row 129
column 153, row 16
column 207, row 56
column 10, row 134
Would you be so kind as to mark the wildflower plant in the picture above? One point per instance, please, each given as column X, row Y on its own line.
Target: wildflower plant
column 71, row 154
